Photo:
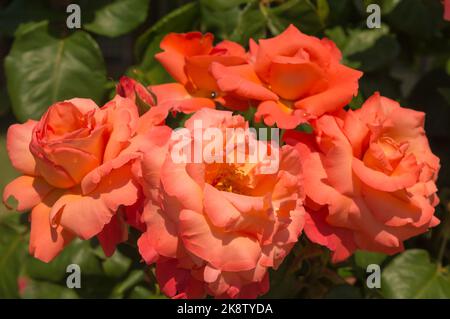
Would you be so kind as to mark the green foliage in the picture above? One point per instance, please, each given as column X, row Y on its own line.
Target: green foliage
column 221, row 17
column 251, row 23
column 362, row 48
column 11, row 255
column 42, row 69
column 7, row 173
column 413, row 275
column 240, row 20
column 365, row 258
column 46, row 290
column 116, row 266
column 79, row 252
column 115, row 18
column 149, row 70
column 313, row 16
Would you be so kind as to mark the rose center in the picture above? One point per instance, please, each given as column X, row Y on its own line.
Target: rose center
column 385, row 154
column 227, row 177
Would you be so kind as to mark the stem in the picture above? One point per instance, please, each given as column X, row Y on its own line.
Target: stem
column 442, row 248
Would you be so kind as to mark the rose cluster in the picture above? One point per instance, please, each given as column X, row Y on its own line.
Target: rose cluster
column 362, row 179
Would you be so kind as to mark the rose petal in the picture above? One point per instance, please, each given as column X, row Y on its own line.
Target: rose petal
column 27, row 191
column 225, row 251
column 46, row 241
column 18, row 141
column 86, row 214
column 112, row 234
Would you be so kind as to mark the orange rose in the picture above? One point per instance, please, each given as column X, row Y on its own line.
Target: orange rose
column 293, row 75
column 369, row 178
column 67, row 143
column 217, row 227
column 188, row 57
column 77, row 163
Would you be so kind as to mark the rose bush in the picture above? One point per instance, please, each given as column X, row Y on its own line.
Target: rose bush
column 350, row 178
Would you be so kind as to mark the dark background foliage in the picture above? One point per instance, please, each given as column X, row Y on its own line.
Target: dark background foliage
column 407, row 59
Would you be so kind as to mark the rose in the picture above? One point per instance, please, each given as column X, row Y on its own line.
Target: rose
column 145, row 100
column 67, row 143
column 215, row 228
column 294, row 76
column 188, row 57
column 369, row 178
column 130, row 88
column 77, row 161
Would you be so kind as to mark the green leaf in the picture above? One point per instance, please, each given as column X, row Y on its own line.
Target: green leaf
column 220, row 16
column 12, row 252
column 42, row 69
column 79, row 252
column 345, row 272
column 413, row 275
column 114, row 18
column 323, row 10
column 140, row 292
column 356, row 102
column 7, row 173
column 179, row 20
column 221, row 5
column 305, row 127
column 135, row 277
column 366, row 258
column 46, row 290
column 312, row 17
column 251, row 24
column 365, row 49
column 338, row 35
column 117, row 265
column 149, row 70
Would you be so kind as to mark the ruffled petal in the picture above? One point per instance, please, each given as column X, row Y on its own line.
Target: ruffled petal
column 27, row 191
column 178, row 282
column 114, row 233
column 46, row 241
column 160, row 238
column 85, row 214
column 175, row 97
column 338, row 240
column 18, row 141
column 225, row 251
column 276, row 113
column 241, row 81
